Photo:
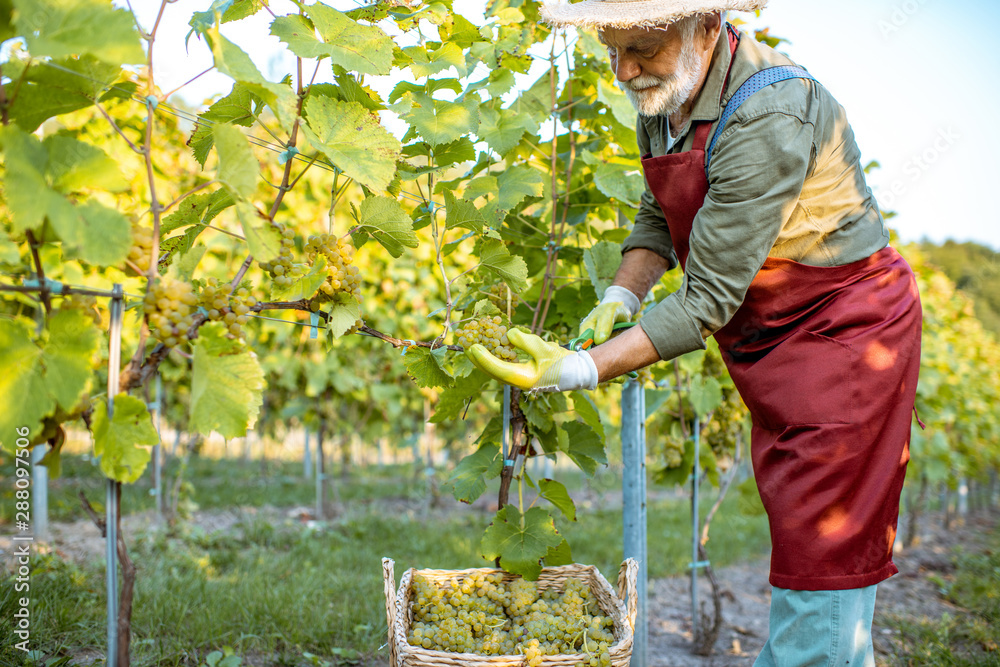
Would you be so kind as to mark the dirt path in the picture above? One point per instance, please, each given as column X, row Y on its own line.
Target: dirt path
column 911, row 594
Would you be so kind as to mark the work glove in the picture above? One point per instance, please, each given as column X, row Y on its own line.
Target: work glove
column 551, row 368
column 618, row 305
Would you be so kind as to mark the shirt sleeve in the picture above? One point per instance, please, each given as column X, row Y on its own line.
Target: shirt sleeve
column 755, row 179
column 650, row 230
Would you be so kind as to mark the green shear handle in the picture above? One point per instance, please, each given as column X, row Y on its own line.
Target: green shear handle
column 586, row 340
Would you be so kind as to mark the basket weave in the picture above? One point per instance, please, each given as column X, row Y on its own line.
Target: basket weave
column 620, row 608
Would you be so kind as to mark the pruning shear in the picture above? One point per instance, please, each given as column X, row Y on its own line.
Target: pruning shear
column 586, row 340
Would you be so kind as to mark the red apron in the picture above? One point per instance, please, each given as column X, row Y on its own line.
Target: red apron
column 826, row 359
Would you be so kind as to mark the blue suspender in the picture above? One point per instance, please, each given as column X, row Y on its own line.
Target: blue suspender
column 758, row 81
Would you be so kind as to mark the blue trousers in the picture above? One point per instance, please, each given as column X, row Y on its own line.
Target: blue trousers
column 820, row 629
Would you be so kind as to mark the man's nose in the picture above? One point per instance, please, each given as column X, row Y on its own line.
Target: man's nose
column 626, row 68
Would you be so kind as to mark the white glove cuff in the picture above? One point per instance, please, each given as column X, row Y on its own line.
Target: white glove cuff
column 578, row 371
column 623, row 295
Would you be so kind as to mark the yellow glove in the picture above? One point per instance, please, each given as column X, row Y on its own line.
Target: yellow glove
column 618, row 305
column 552, row 368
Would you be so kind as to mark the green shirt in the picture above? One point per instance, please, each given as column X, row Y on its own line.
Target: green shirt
column 785, row 180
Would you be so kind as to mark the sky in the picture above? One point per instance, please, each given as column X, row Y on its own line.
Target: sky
column 914, row 76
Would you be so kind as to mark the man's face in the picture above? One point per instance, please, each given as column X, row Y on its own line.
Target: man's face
column 656, row 68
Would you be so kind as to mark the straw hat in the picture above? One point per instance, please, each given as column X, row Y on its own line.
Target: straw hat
column 600, row 14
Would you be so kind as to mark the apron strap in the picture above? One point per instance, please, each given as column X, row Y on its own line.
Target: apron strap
column 755, row 83
column 703, row 127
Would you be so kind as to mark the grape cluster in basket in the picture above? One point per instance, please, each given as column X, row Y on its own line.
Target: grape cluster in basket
column 484, row 615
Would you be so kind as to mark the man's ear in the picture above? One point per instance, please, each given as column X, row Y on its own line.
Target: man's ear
column 709, row 28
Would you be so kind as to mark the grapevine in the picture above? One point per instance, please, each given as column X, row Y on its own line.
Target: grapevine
column 489, row 332
column 168, row 305
column 485, row 615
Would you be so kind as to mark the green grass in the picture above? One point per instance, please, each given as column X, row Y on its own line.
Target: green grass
column 217, row 483
column 283, row 590
column 970, row 636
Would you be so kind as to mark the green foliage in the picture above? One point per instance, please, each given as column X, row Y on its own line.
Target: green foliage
column 118, row 441
column 226, row 384
column 520, row 541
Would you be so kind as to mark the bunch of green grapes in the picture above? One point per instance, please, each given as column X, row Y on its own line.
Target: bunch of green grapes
column 645, row 378
column 83, row 302
column 142, row 247
column 497, row 294
column 484, row 615
column 343, row 276
column 222, row 307
column 283, row 269
column 673, row 453
column 168, row 305
column 489, row 332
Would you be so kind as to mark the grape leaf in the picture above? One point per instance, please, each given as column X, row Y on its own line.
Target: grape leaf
column 73, row 341
column 237, row 108
column 502, row 129
column 197, row 210
column 227, row 384
column 513, row 186
column 56, row 28
column 468, row 480
column 232, row 61
column 353, row 139
column 237, row 165
column 427, row 62
column 556, row 493
column 423, row 366
column 583, row 446
column 452, row 401
column 520, row 549
column 440, row 122
column 461, row 213
column 706, row 395
column 75, row 165
column 349, row 44
column 342, row 315
column 46, row 91
column 94, row 233
column 26, row 189
column 263, row 238
column 584, row 407
column 560, row 555
column 118, row 441
column 26, row 398
column 306, row 286
column 617, row 103
column 493, row 254
column 602, row 261
column 388, row 222
column 620, row 179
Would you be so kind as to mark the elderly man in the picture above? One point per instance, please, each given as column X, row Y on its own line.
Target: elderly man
column 756, row 190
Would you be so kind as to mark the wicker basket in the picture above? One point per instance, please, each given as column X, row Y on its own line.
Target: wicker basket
column 400, row 616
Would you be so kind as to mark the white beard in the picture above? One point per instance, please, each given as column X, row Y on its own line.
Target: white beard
column 664, row 96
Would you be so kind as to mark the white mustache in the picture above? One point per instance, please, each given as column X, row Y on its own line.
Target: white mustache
column 641, row 82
